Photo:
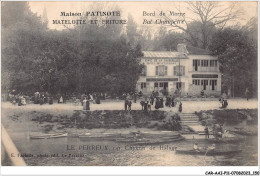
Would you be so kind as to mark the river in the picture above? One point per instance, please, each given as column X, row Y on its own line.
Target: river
column 75, row 152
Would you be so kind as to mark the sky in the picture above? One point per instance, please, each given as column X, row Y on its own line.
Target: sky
column 136, row 9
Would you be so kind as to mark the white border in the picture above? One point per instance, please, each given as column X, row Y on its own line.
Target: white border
column 119, row 170
column 128, row 170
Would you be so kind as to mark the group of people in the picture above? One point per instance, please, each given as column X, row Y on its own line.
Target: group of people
column 223, row 103
column 46, row 98
column 170, row 101
column 42, row 98
column 147, row 103
column 196, row 148
column 18, row 99
column 217, row 131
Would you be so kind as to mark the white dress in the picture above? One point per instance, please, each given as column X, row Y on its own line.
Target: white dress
column 61, row 99
column 23, row 101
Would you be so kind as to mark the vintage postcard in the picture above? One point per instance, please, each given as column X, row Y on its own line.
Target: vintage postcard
column 129, row 83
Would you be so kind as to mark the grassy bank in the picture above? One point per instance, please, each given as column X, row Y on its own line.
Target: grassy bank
column 108, row 119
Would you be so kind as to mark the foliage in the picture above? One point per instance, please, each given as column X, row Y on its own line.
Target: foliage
column 37, row 59
column 237, row 55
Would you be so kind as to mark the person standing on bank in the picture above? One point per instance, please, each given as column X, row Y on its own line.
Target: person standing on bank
column 135, row 97
column 86, row 104
column 151, row 99
column 247, row 94
column 157, row 103
column 206, row 130
column 180, row 107
column 146, row 105
column 98, row 99
column 129, row 105
column 126, row 104
column 60, row 100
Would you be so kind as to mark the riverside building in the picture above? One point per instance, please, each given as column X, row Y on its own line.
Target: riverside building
column 188, row 71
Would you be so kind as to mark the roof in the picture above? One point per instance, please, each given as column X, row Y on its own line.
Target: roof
column 163, row 54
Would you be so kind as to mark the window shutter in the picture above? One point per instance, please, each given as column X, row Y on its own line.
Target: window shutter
column 156, row 71
column 165, row 70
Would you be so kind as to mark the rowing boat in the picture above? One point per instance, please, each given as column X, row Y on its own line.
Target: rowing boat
column 100, row 136
column 225, row 140
column 244, row 132
column 141, row 141
column 48, row 136
column 206, row 152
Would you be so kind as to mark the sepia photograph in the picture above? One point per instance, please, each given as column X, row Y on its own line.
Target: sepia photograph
column 129, row 83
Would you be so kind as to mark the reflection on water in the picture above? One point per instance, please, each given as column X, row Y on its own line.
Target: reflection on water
column 119, row 154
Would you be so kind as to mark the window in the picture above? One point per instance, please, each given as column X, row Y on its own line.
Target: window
column 156, row 84
column 213, row 82
column 178, row 85
column 143, row 73
column 161, row 70
column 143, row 85
column 204, row 82
column 213, row 63
column 196, row 82
column 196, row 64
column 161, row 84
column 179, row 70
column 204, row 63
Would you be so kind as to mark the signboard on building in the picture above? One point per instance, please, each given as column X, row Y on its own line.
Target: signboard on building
column 157, row 61
column 161, row 79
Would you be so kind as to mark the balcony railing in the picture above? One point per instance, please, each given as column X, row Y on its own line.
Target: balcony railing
column 206, row 69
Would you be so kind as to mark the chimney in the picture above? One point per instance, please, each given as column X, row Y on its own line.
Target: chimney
column 181, row 48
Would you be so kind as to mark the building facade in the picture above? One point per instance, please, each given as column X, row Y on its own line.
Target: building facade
column 170, row 71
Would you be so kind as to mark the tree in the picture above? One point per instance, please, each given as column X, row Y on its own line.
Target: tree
column 93, row 58
column 131, row 30
column 21, row 34
column 144, row 38
column 170, row 41
column 237, row 55
column 205, row 15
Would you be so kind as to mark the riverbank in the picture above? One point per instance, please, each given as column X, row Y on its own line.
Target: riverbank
column 231, row 119
column 79, row 121
column 51, row 119
column 20, row 122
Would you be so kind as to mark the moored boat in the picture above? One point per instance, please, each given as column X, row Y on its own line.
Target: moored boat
column 100, row 136
column 244, row 132
column 226, row 140
column 206, row 152
column 47, row 136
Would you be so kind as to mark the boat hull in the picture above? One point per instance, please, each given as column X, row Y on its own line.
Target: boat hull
column 208, row 153
column 48, row 136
